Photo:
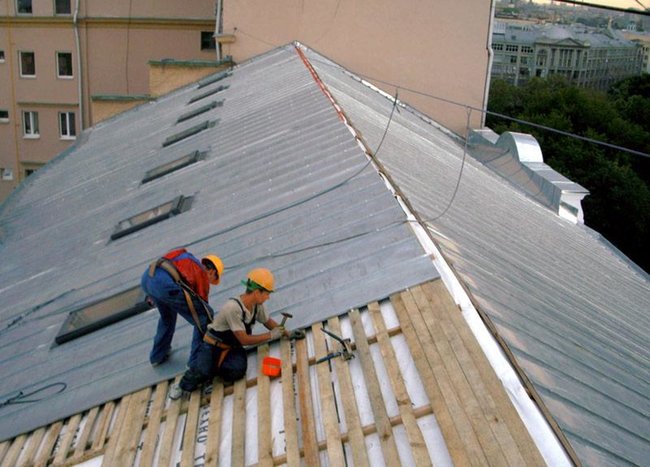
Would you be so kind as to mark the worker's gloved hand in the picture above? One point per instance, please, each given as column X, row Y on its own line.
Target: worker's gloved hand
column 297, row 334
column 277, row 332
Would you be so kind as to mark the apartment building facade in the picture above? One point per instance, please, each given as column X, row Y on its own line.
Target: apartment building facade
column 435, row 55
column 588, row 57
column 60, row 56
column 56, row 55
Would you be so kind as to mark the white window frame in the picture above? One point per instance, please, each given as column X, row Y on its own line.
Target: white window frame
column 34, row 131
column 64, row 128
column 58, row 74
column 6, row 174
column 20, row 61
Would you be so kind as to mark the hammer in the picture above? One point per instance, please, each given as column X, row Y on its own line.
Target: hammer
column 284, row 318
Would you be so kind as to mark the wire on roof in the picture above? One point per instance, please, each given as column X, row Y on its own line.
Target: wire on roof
column 21, row 397
column 308, row 198
column 460, row 174
column 460, row 104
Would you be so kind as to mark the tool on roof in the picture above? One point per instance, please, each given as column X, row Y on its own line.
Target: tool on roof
column 284, row 318
column 345, row 352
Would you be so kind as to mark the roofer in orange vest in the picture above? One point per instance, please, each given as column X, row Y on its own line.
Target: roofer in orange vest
column 178, row 284
column 222, row 353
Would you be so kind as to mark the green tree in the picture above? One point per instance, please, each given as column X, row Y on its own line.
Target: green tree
column 619, row 202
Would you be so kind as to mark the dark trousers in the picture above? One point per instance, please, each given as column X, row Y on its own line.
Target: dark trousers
column 205, row 368
column 170, row 302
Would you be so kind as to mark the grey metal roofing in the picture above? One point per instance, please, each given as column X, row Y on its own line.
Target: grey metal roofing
column 284, row 184
column 573, row 310
column 555, row 33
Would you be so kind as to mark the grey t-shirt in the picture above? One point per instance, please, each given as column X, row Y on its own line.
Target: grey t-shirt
column 230, row 314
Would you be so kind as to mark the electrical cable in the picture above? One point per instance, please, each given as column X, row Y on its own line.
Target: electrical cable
column 466, row 106
column 20, row 318
column 21, row 397
column 308, row 198
column 460, row 174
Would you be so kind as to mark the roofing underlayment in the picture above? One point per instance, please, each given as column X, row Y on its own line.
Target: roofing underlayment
column 571, row 308
column 282, row 181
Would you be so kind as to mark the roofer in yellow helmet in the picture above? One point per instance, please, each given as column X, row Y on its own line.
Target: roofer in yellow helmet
column 179, row 284
column 222, row 353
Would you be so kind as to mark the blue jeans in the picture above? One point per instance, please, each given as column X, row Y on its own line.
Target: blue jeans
column 170, row 301
column 205, row 366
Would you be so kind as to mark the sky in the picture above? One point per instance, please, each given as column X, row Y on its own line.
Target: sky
column 614, row 3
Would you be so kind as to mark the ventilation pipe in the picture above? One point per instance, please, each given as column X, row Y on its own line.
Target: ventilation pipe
column 75, row 24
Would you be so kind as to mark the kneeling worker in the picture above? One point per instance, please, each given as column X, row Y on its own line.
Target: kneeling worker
column 222, row 353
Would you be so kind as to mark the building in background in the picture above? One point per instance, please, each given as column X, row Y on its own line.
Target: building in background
column 54, row 91
column 643, row 39
column 588, row 57
column 56, row 55
column 438, row 49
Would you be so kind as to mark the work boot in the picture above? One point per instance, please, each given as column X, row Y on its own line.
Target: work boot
column 164, row 359
column 176, row 392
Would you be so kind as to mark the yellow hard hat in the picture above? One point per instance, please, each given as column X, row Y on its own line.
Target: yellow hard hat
column 260, row 278
column 216, row 262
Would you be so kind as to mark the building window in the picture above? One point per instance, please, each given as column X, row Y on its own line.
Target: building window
column 62, row 7
column 30, row 124
column 27, row 65
column 2, row 56
column 172, row 166
column 497, row 46
column 6, row 174
column 28, row 168
column 512, row 48
column 151, row 216
column 67, row 128
column 4, row 116
column 24, row 7
column 102, row 313
column 64, row 64
column 207, row 40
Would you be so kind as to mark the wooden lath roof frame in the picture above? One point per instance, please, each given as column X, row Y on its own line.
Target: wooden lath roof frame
column 475, row 416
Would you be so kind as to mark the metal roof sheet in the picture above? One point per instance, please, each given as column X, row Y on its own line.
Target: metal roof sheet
column 284, row 184
column 573, row 310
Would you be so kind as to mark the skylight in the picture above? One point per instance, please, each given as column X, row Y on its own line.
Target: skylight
column 213, row 79
column 199, row 111
column 208, row 93
column 152, row 216
column 102, row 313
column 172, row 166
column 189, row 132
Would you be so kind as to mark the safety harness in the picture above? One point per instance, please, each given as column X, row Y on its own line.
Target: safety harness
column 226, row 340
column 169, row 267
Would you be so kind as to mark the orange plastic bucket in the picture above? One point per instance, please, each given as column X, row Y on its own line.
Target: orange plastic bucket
column 271, row 366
